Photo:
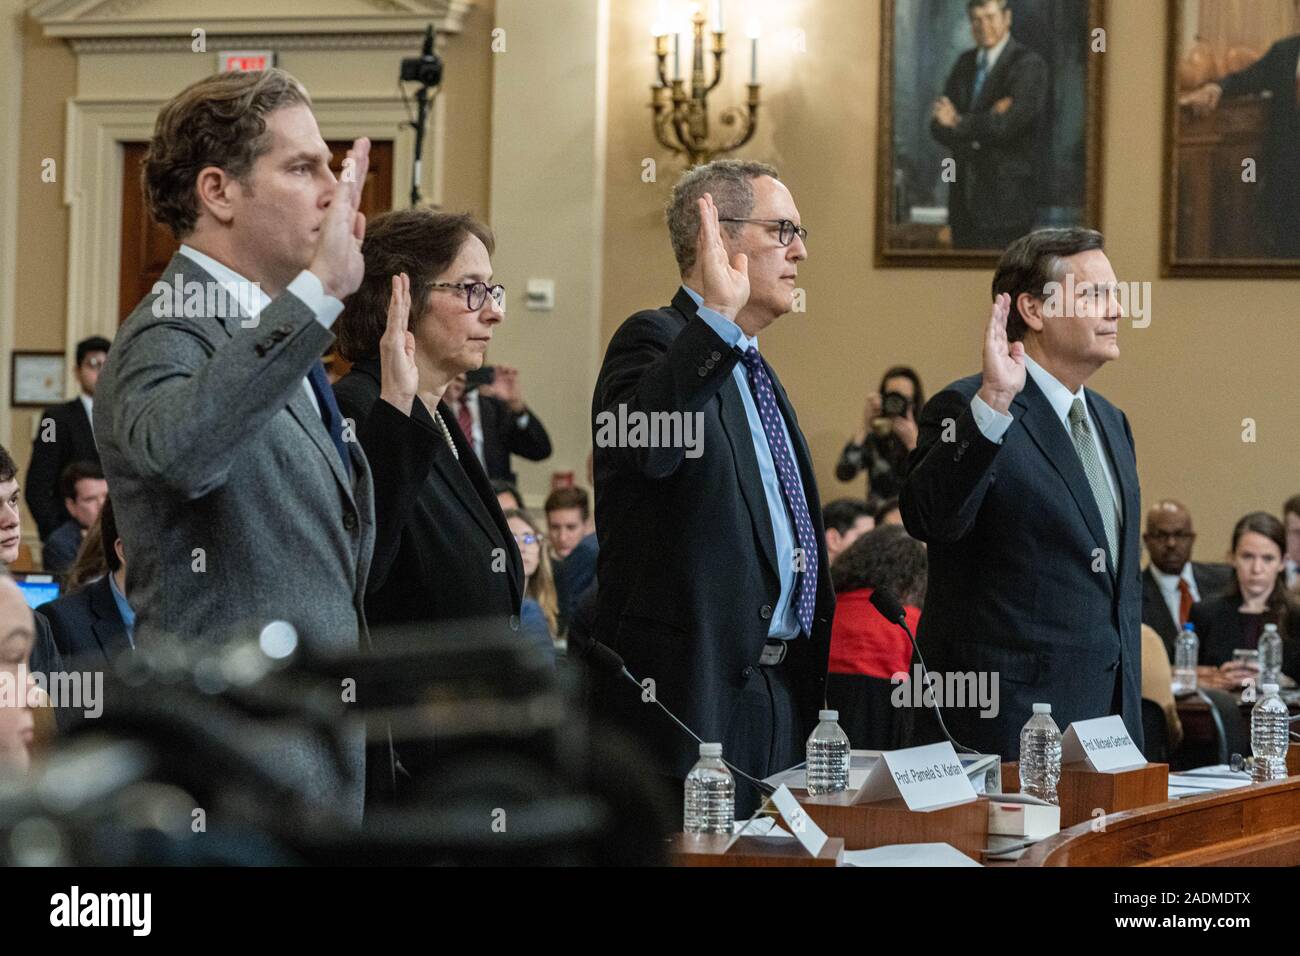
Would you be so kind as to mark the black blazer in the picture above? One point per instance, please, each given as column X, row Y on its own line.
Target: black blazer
column 1210, row 580
column 73, row 440
column 1280, row 170
column 995, row 151
column 1013, row 533
column 502, row 437
column 687, row 563
column 1220, row 630
column 87, row 623
column 442, row 547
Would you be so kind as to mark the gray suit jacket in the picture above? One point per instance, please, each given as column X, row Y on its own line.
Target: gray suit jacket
column 209, row 441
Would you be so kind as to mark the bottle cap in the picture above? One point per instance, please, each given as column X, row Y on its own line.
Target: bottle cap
column 710, row 750
column 1270, row 627
column 1189, row 626
column 828, row 715
column 1042, row 708
column 1269, row 688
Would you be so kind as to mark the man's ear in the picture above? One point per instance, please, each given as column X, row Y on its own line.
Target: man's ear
column 117, row 546
column 1031, row 310
column 833, row 538
column 214, row 189
column 69, row 505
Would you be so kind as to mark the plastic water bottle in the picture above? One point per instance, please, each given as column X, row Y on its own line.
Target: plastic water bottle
column 1040, row 755
column 828, row 755
column 1187, row 651
column 710, row 794
column 1270, row 734
column 1270, row 655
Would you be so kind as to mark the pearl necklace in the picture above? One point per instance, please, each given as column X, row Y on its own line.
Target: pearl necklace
column 446, row 434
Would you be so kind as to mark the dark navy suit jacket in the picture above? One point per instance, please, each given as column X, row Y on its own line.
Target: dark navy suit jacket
column 86, row 624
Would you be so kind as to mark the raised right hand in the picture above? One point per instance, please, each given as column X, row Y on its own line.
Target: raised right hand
column 726, row 282
column 399, row 376
column 337, row 261
column 1004, row 363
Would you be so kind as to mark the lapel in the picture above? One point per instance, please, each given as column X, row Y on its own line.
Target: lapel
column 108, row 627
column 1155, row 599
column 1124, row 468
column 301, row 408
column 736, row 425
column 469, row 483
column 1047, row 432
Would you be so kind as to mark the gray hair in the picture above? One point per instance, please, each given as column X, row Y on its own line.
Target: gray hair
column 1032, row 262
column 730, row 182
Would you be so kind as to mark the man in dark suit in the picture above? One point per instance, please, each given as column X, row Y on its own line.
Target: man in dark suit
column 714, row 583
column 1024, row 485
column 498, row 422
column 1172, row 581
column 65, row 435
column 1279, row 170
column 239, row 499
column 97, row 622
column 84, row 493
column 989, row 116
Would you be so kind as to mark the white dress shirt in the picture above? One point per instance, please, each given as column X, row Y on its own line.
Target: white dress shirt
column 88, row 404
column 994, row 424
column 1169, row 589
column 991, row 56
column 252, row 300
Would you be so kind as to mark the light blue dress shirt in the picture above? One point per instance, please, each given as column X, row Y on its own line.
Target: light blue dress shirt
column 785, row 617
column 124, row 609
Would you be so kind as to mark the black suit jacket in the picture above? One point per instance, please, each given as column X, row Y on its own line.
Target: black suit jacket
column 442, row 547
column 502, row 437
column 86, row 624
column 73, row 440
column 996, row 171
column 687, row 563
column 1220, row 630
column 1210, row 580
column 1013, row 533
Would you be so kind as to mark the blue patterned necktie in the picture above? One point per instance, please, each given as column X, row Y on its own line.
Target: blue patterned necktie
column 981, row 74
column 791, row 486
column 329, row 411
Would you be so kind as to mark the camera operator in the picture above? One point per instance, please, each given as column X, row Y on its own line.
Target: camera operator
column 887, row 434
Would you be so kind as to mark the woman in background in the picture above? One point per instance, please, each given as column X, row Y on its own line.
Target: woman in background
column 540, row 604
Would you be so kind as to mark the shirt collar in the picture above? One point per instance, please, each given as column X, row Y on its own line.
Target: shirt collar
column 746, row 341
column 991, row 56
column 1169, row 582
column 248, row 294
column 123, row 605
column 87, row 403
column 1060, row 397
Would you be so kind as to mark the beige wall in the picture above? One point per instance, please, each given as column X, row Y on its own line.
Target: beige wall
column 1216, row 351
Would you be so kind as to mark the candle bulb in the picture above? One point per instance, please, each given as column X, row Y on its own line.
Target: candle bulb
column 753, row 30
column 677, row 56
column 717, row 16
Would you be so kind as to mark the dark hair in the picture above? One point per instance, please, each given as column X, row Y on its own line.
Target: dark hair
column 885, row 557
column 75, row 472
column 843, row 513
column 421, row 242
column 96, row 343
column 1033, row 262
column 976, row 4
column 1292, row 506
column 218, row 121
column 909, row 373
column 8, row 467
column 108, row 534
column 574, row 497
column 502, row 487
column 885, row 506
column 1280, row 604
column 731, row 184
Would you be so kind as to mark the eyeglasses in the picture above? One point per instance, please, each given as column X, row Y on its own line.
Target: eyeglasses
column 786, row 230
column 1173, row 536
column 476, row 293
column 94, row 361
column 527, row 538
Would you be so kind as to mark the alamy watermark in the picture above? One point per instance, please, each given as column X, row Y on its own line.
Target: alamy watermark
column 199, row 300
column 1134, row 299
column 638, row 429
column 956, row 689
column 69, row 690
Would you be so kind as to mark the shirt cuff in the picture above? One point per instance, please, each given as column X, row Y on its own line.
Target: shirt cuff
column 312, row 292
column 991, row 423
column 727, row 330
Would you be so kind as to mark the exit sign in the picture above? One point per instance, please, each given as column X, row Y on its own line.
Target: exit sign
column 249, row 61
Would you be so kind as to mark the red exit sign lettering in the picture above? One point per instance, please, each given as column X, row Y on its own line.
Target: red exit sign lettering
column 248, row 61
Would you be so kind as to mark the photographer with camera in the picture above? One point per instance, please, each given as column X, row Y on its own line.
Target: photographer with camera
column 887, row 434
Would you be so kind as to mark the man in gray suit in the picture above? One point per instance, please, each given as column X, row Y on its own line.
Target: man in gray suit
column 237, row 493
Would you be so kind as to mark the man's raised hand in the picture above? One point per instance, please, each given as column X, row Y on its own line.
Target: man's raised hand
column 726, row 281
column 1004, row 363
column 337, row 261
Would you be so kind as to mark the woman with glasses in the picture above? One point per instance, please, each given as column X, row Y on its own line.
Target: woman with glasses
column 541, row 606
column 424, row 314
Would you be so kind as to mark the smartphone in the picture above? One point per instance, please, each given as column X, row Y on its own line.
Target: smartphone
column 481, row 376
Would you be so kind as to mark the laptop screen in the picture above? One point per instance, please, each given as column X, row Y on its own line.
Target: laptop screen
column 38, row 589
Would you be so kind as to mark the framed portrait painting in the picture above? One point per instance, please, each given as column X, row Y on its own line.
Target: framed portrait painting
column 1232, row 139
column 990, row 126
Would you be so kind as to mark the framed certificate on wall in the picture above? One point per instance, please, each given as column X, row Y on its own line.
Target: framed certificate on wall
column 39, row 379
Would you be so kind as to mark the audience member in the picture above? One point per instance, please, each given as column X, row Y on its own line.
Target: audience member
column 846, row 520
column 97, row 622
column 1172, row 581
column 497, row 422
column 574, row 544
column 508, row 496
column 889, row 512
column 539, row 613
column 17, row 639
column 84, row 491
column 1255, row 595
column 65, row 434
column 888, row 434
column 867, row 651
column 1291, row 519
column 89, row 564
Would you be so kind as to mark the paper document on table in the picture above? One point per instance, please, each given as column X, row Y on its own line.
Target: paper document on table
column 908, row 854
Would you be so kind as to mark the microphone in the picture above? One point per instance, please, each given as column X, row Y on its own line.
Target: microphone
column 607, row 659
column 891, row 609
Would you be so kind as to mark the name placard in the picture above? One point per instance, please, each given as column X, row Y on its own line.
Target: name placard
column 1103, row 742
column 805, row 830
column 927, row 778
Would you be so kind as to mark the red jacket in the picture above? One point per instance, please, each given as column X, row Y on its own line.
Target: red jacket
column 863, row 642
